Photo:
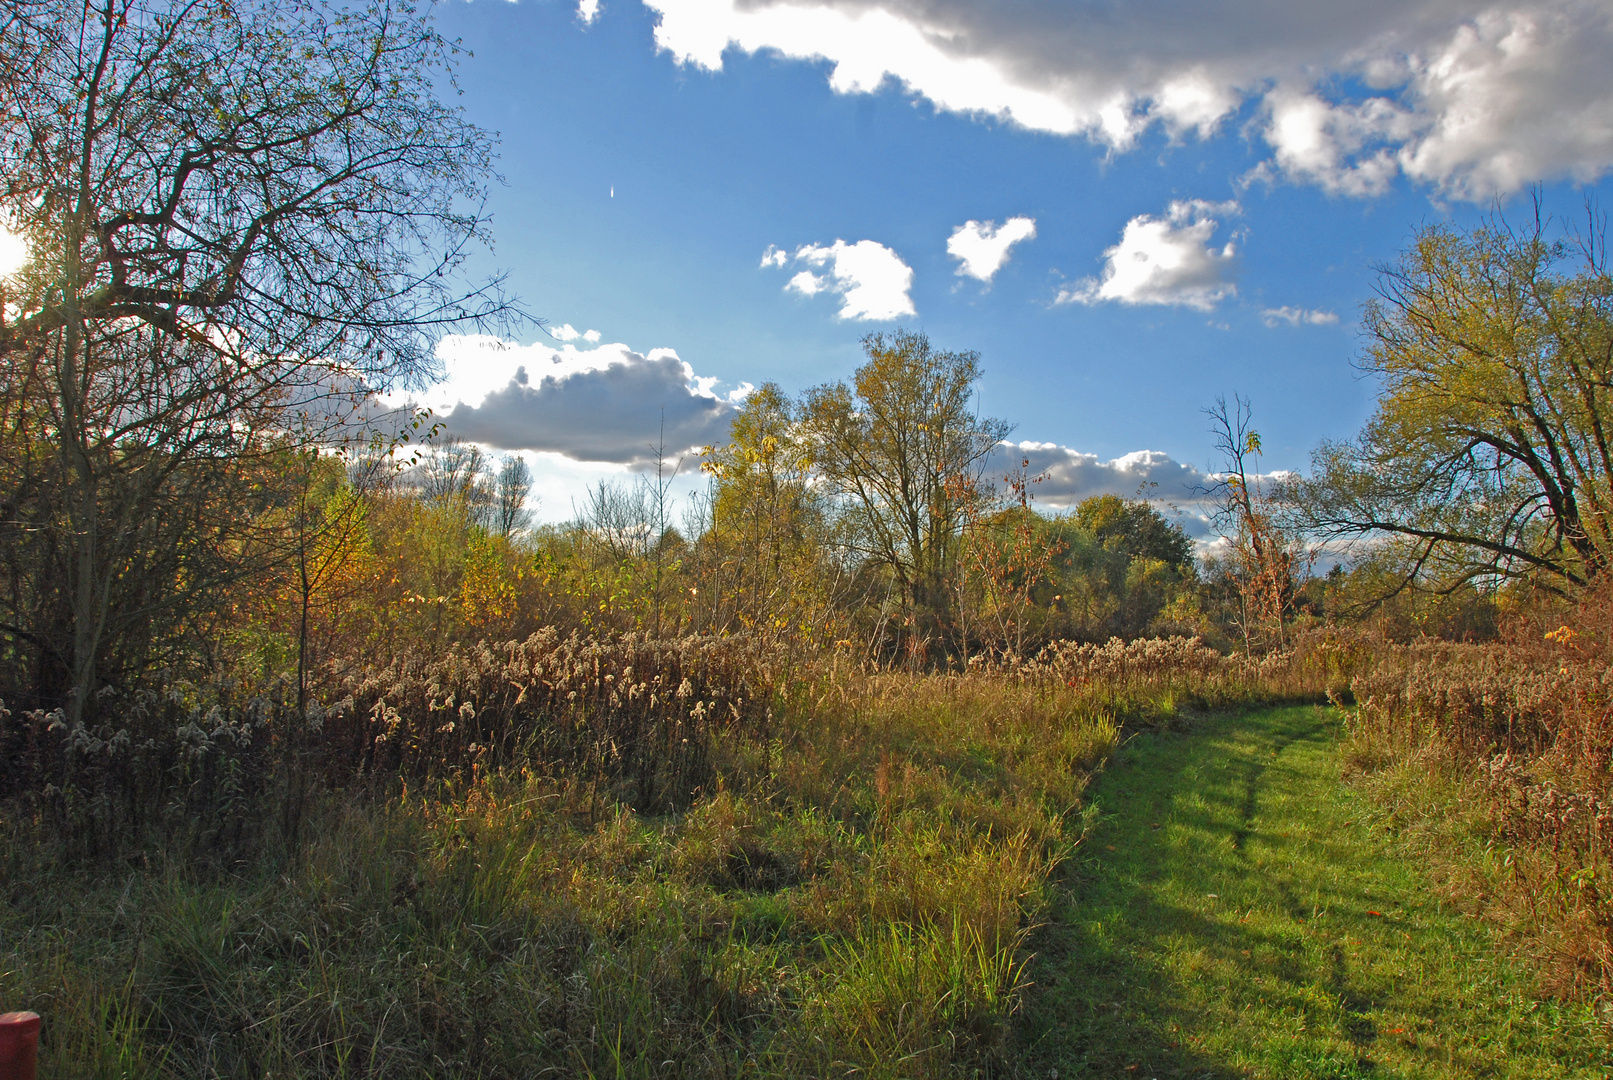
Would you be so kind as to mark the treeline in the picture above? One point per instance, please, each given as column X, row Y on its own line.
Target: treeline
column 864, row 518
column 904, row 549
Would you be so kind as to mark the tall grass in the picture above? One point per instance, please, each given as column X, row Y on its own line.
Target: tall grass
column 1497, row 754
column 514, row 864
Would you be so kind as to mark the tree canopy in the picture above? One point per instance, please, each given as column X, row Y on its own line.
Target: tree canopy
column 1135, row 528
column 1488, row 456
column 242, row 216
column 904, row 451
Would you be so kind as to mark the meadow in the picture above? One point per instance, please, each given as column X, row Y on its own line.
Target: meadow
column 629, row 857
column 849, row 887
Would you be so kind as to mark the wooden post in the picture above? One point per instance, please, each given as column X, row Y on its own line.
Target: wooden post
column 19, row 1045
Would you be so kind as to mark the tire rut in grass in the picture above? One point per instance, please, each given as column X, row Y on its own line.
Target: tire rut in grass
column 1232, row 915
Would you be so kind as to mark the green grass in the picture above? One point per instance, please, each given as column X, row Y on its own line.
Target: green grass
column 853, row 898
column 850, row 899
column 1235, row 914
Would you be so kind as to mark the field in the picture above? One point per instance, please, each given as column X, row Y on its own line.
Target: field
column 877, row 874
column 324, row 753
column 1241, row 911
column 851, row 891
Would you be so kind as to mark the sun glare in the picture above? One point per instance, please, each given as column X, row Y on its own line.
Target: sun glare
column 13, row 252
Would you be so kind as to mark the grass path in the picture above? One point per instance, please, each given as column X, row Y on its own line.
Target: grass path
column 1233, row 915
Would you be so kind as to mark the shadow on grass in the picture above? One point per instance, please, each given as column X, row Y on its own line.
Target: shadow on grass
column 1147, row 945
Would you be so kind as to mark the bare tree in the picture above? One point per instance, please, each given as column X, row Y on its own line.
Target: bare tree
column 243, row 216
column 510, row 514
column 455, row 473
column 1267, row 561
column 619, row 520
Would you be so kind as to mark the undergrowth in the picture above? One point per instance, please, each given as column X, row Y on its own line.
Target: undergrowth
column 1494, row 760
column 528, row 871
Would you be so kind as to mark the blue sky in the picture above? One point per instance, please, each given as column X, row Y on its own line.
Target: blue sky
column 1209, row 192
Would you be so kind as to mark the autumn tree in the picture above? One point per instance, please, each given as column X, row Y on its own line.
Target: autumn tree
column 1489, row 456
column 766, row 551
column 1135, row 529
column 903, row 452
column 243, row 217
column 1123, row 565
column 1265, row 559
column 1006, row 556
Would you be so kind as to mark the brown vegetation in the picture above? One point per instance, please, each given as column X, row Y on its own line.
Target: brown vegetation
column 319, row 762
column 836, row 873
column 1516, row 735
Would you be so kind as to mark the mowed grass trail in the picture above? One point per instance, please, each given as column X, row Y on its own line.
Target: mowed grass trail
column 1235, row 914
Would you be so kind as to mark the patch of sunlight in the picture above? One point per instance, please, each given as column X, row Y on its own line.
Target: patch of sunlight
column 13, row 252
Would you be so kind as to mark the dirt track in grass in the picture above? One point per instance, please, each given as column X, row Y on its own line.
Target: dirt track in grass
column 1234, row 913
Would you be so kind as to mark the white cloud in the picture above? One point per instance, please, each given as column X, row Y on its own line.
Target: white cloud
column 1179, row 490
column 567, row 332
column 1165, row 260
column 1294, row 316
column 1514, row 96
column 1346, row 149
column 981, row 247
column 807, row 283
column 774, row 256
column 871, row 280
column 560, row 484
column 1070, row 476
column 1471, row 98
column 608, row 404
column 587, row 11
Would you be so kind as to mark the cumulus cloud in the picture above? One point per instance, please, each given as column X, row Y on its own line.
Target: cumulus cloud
column 1346, row 149
column 981, row 247
column 1514, row 96
column 1474, row 99
column 607, row 404
column 1294, row 316
column 1071, row 476
column 1165, row 260
column 871, row 280
column 587, row 11
column 567, row 332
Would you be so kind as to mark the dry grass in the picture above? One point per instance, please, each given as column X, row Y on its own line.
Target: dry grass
column 1497, row 755
column 839, row 879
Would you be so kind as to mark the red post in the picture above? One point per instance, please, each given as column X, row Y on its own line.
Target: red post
column 19, row 1045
